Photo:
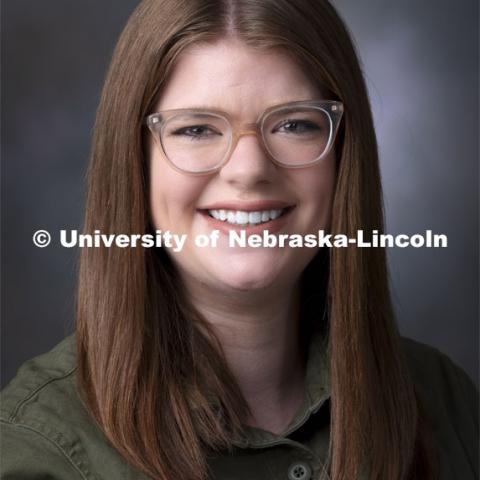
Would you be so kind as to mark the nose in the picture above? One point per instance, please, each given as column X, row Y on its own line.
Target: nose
column 249, row 163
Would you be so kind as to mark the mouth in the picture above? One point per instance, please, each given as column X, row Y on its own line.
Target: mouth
column 244, row 218
column 251, row 221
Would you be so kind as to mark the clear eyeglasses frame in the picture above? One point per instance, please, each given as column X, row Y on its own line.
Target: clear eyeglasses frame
column 201, row 153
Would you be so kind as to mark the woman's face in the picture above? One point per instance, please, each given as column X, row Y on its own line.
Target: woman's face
column 232, row 77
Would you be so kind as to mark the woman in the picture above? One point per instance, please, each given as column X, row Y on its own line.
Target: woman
column 224, row 362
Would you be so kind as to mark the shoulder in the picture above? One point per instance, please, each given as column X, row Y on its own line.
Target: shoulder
column 436, row 374
column 34, row 407
column 50, row 373
column 450, row 403
column 46, row 429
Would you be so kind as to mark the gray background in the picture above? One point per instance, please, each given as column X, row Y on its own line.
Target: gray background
column 421, row 63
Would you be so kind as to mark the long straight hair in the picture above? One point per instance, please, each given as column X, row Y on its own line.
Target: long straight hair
column 148, row 364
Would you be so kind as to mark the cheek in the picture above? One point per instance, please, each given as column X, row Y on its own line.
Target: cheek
column 173, row 195
column 318, row 183
column 316, row 186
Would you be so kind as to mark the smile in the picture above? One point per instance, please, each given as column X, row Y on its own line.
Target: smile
column 244, row 218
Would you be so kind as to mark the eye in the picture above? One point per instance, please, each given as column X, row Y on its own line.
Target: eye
column 196, row 132
column 297, row 126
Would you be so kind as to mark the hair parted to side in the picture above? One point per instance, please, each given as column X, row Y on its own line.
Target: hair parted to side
column 147, row 369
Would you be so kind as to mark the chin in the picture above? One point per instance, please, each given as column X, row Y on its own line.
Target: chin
column 247, row 277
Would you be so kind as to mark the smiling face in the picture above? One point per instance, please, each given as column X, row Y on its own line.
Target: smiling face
column 232, row 77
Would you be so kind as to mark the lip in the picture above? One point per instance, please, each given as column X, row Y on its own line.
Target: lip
column 272, row 226
column 253, row 206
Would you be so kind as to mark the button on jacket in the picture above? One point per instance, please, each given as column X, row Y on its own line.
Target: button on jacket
column 46, row 432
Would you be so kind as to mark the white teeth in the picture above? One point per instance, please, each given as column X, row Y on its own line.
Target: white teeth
column 254, row 217
column 242, row 217
column 237, row 217
column 274, row 214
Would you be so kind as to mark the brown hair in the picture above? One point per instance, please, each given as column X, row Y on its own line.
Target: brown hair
column 148, row 365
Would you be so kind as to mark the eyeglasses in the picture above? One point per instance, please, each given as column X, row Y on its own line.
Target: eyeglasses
column 294, row 135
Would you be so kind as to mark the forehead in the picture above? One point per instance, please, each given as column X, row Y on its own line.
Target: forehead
column 232, row 76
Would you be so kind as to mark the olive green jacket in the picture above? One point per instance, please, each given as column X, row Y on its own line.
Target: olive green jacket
column 47, row 433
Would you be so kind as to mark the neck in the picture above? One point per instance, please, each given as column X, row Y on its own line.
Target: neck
column 260, row 338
